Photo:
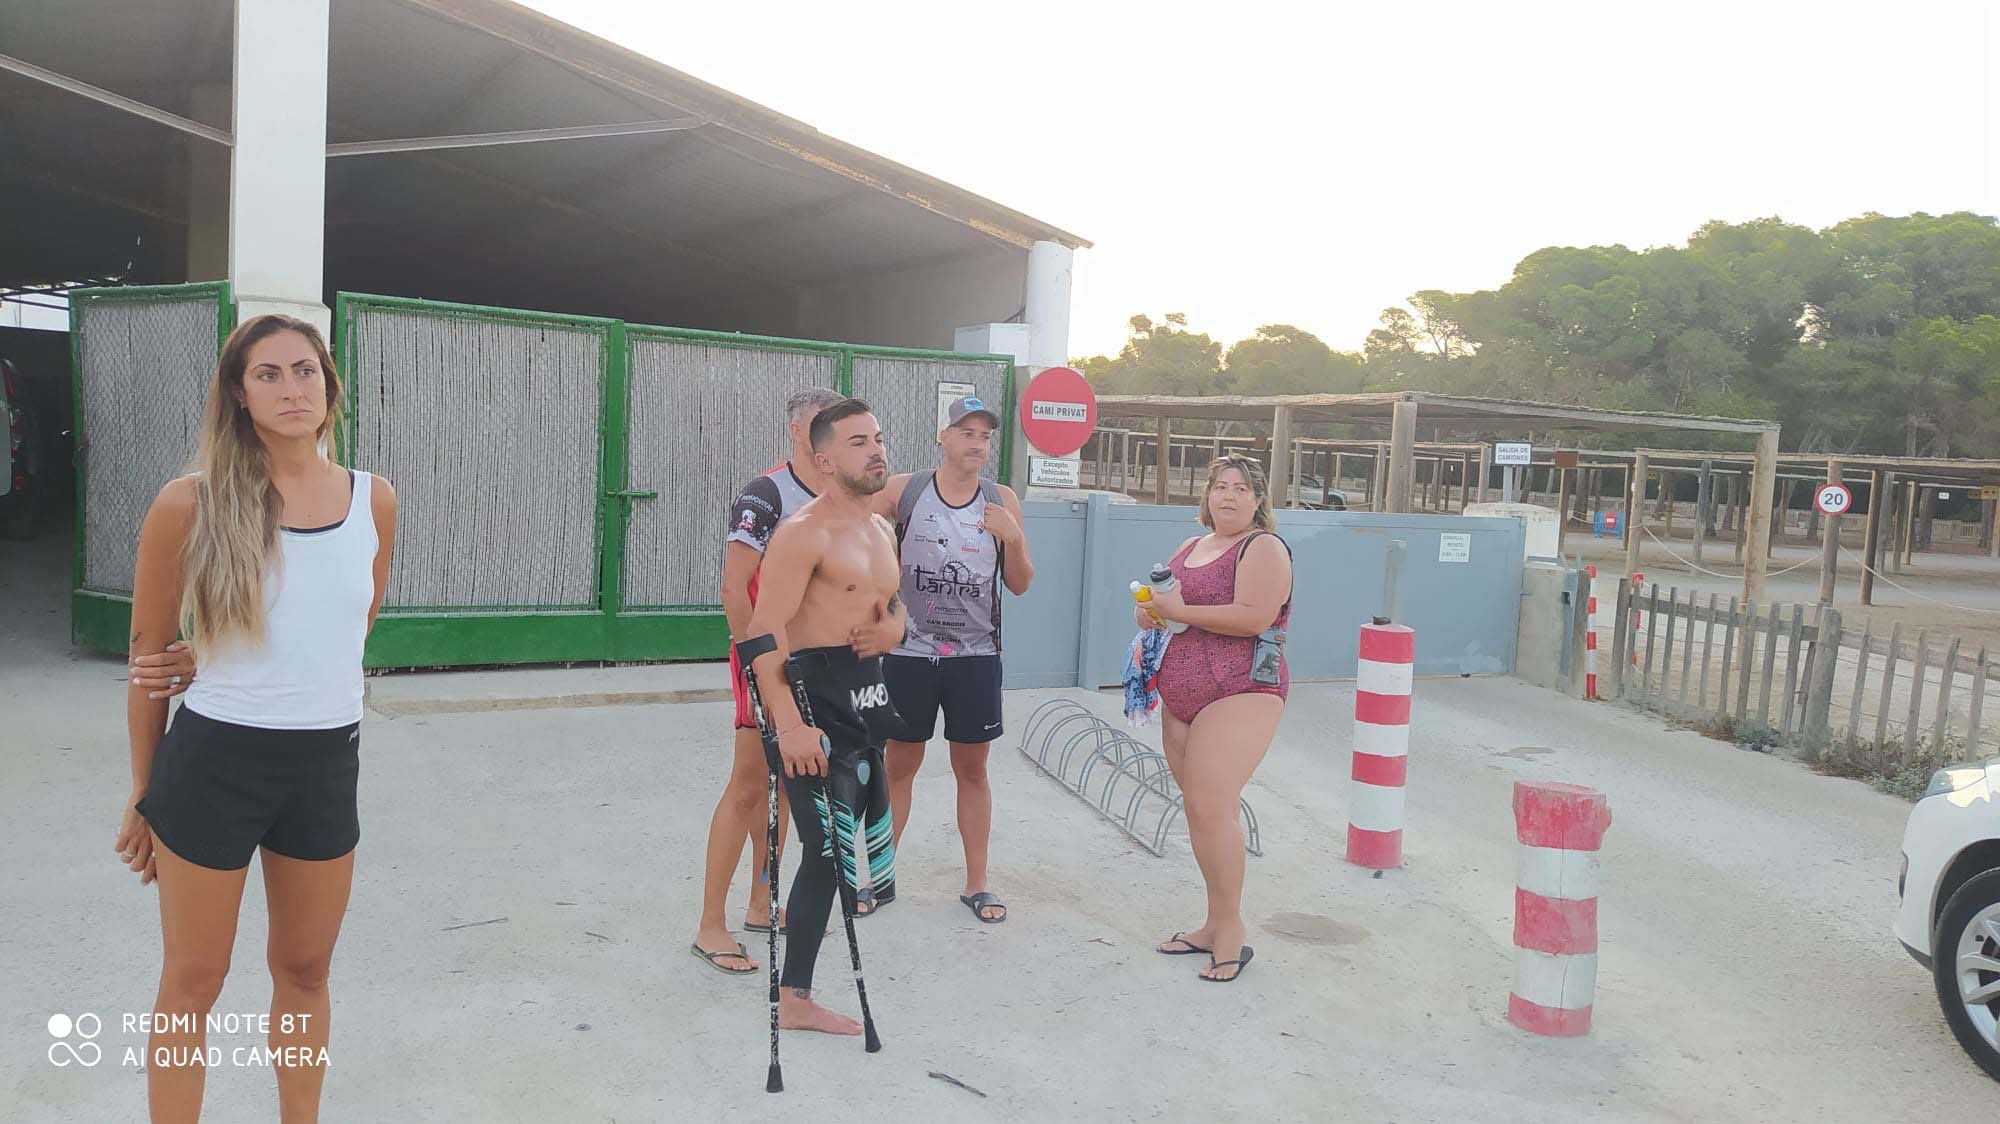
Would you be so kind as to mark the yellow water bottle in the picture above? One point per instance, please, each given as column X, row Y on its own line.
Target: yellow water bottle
column 1143, row 594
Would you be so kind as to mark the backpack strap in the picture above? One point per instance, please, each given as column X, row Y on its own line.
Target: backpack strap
column 906, row 504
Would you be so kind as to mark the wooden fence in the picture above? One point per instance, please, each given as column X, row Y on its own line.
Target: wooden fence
column 1815, row 684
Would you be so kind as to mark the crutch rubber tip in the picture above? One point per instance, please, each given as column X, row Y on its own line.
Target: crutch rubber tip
column 775, row 1083
column 873, row 1044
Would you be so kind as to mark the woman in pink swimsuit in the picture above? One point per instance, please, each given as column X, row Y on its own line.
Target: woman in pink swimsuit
column 1235, row 582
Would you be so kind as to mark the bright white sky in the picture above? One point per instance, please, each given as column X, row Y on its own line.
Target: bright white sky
column 1259, row 162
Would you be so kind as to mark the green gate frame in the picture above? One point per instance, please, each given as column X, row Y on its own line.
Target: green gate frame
column 611, row 631
column 98, row 619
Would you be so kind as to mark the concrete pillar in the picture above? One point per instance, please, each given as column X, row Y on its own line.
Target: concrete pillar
column 1635, row 513
column 1378, row 481
column 1993, row 528
column 277, row 168
column 1880, row 486
column 1162, row 476
column 1464, row 483
column 1281, row 457
column 1926, row 517
column 1045, row 304
column 1763, row 489
column 1829, row 557
column 1669, row 482
column 1402, row 456
column 1485, row 470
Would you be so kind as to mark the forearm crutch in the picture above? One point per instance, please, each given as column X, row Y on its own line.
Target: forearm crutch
column 871, row 1043
column 774, row 1081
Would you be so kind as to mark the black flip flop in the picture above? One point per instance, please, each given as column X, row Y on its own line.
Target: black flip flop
column 1191, row 949
column 711, row 957
column 758, row 927
column 1241, row 963
column 984, row 900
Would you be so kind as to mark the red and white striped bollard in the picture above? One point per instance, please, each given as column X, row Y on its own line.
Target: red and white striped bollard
column 1590, row 638
column 1381, row 746
column 1560, row 828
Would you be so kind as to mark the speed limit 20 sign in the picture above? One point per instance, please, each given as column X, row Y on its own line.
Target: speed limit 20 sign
column 1833, row 499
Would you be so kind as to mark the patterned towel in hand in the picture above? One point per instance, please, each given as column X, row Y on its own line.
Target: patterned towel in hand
column 1142, row 675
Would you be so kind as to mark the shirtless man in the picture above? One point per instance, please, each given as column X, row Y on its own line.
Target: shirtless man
column 827, row 611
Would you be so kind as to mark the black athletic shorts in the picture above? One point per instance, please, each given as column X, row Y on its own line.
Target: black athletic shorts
column 219, row 791
column 966, row 688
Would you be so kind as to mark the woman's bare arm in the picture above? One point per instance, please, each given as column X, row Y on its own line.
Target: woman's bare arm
column 156, row 607
column 382, row 499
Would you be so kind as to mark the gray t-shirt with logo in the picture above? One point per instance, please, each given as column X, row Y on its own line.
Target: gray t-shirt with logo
column 951, row 570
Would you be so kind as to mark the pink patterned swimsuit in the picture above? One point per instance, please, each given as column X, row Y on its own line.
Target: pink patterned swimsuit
column 1202, row 666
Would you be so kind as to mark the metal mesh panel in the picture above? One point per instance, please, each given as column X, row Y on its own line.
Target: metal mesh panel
column 143, row 368
column 904, row 393
column 489, row 431
column 704, row 420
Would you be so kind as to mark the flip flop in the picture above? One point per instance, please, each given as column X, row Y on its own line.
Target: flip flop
column 711, row 957
column 983, row 901
column 761, row 927
column 1241, row 963
column 1191, row 949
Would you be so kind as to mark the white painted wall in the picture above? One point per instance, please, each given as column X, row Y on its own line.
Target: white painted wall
column 917, row 308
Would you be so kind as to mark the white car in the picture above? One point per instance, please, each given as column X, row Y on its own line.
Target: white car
column 1310, row 491
column 1949, row 918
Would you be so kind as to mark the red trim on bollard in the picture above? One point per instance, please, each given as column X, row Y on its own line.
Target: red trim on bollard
column 1555, row 1022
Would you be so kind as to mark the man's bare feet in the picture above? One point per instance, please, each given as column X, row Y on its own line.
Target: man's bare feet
column 720, row 941
column 797, row 1011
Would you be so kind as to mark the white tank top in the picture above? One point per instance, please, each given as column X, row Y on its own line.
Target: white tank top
column 307, row 673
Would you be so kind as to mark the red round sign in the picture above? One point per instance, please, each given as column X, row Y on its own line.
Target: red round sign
column 1833, row 499
column 1058, row 411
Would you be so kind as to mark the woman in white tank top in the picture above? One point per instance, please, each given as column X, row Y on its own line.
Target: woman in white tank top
column 271, row 560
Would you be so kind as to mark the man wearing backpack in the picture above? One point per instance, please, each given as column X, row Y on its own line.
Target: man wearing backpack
column 960, row 540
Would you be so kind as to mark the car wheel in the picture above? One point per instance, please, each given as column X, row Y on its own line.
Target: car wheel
column 1966, row 966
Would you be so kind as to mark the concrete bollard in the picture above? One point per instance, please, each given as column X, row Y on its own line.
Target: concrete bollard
column 1560, row 828
column 1381, row 746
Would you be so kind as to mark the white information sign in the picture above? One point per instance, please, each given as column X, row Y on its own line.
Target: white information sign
column 1454, row 547
column 1054, row 472
column 1513, row 452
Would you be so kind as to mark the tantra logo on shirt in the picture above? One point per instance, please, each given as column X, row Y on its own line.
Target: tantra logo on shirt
column 870, row 697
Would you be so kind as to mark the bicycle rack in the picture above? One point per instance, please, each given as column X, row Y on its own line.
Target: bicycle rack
column 1081, row 743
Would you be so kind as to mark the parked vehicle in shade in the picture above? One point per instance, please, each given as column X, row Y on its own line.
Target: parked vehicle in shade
column 23, row 484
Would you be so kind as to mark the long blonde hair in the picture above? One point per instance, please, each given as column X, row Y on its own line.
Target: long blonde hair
column 1263, row 519
column 232, row 541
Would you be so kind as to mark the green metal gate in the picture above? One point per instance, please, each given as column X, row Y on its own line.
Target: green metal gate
column 564, row 480
column 140, row 361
